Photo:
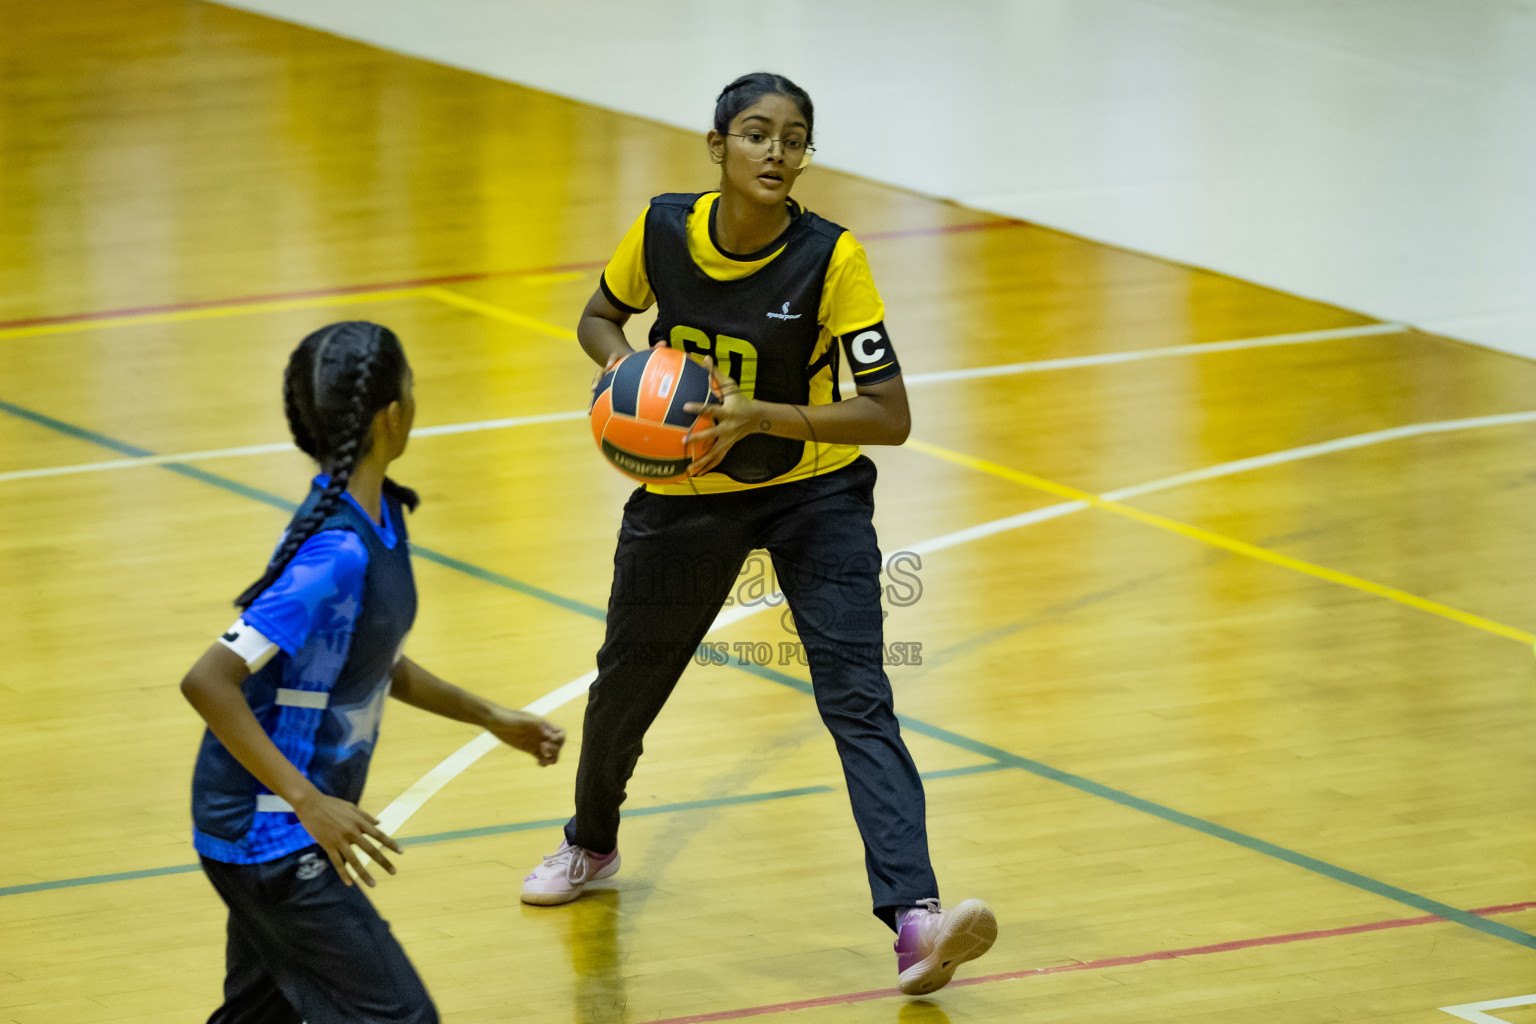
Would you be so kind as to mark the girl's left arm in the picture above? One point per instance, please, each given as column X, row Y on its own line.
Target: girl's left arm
column 878, row 414
column 527, row 732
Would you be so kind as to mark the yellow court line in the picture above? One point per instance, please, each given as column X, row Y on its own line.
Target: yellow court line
column 497, row 313
column 544, row 280
column 1228, row 543
column 211, row 312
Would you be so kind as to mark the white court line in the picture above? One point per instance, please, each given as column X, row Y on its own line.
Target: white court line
column 1474, row 1011
column 502, row 424
column 281, row 446
column 145, row 460
column 411, row 800
column 426, row 787
column 1006, row 369
column 1323, row 448
column 1107, row 358
column 1220, row 470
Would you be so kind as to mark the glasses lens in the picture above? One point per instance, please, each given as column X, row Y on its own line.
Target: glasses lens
column 794, row 152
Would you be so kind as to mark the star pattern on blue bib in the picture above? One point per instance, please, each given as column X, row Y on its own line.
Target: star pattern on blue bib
column 346, row 609
column 361, row 722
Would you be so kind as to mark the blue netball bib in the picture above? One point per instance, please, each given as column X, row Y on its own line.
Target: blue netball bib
column 338, row 616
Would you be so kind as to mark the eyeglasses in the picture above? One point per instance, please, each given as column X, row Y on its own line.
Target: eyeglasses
column 797, row 154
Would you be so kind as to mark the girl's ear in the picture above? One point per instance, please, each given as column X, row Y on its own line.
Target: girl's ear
column 394, row 418
column 387, row 425
column 716, row 143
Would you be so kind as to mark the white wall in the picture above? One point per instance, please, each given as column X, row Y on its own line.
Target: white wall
column 1379, row 154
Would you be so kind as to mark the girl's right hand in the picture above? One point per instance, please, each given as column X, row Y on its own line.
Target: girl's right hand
column 598, row 375
column 613, row 361
column 530, row 733
column 338, row 825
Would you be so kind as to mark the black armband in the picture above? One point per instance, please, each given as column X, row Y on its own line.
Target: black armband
column 870, row 354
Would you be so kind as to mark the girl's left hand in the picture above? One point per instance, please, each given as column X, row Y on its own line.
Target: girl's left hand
column 529, row 733
column 735, row 418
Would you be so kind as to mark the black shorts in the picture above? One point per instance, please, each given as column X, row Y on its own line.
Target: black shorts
column 306, row 947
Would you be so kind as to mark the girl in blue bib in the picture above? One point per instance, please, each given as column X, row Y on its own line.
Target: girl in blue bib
column 293, row 694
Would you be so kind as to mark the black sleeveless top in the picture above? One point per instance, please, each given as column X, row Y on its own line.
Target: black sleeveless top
column 761, row 329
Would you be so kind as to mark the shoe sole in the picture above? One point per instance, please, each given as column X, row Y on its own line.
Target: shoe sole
column 551, row 899
column 969, row 932
column 555, row 899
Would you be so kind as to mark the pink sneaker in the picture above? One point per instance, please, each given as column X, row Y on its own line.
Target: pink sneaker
column 565, row 873
column 931, row 943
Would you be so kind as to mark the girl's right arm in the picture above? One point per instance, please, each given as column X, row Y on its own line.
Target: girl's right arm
column 601, row 331
column 212, row 687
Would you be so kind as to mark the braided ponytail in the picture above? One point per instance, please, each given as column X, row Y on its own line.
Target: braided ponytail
column 331, row 391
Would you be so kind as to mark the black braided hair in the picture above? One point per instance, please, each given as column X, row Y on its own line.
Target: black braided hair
column 294, row 409
column 336, row 382
column 748, row 89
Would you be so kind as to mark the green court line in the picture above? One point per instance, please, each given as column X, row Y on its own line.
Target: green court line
column 487, row 576
column 120, row 876
column 79, row 433
column 498, row 830
column 970, row 769
column 1085, row 785
column 1210, row 828
column 268, row 498
column 417, row 550
column 636, row 812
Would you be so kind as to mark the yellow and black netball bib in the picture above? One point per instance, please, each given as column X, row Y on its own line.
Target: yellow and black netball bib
column 850, row 320
column 761, row 329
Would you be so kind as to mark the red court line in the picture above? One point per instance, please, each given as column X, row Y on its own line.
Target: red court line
column 945, row 229
column 1091, row 965
column 423, row 282
column 313, row 293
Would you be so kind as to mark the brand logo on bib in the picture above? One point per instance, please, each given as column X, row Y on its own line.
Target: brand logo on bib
column 785, row 315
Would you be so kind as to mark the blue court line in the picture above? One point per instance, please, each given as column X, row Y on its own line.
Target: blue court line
column 1038, row 768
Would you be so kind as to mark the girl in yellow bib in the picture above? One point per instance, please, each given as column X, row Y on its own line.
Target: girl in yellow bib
column 771, row 297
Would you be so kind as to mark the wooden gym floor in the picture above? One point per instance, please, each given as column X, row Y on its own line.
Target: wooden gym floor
column 1225, row 696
